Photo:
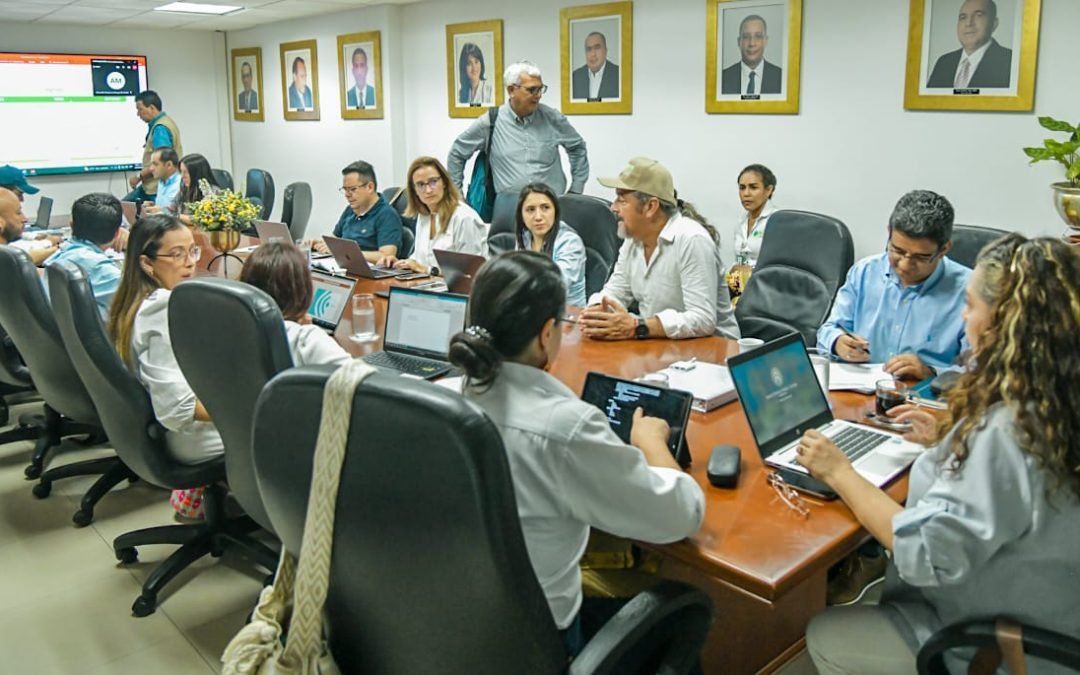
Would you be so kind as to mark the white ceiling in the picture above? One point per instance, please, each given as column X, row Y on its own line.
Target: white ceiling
column 141, row 14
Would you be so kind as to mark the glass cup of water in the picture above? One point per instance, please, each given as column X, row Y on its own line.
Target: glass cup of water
column 819, row 359
column 363, row 318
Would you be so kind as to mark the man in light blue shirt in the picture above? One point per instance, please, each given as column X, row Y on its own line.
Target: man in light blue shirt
column 526, row 139
column 95, row 219
column 904, row 307
column 165, row 165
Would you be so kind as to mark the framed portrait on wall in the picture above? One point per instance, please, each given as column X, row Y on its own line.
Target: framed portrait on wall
column 247, row 80
column 972, row 54
column 752, row 56
column 474, row 67
column 596, row 43
column 360, row 75
column 300, row 80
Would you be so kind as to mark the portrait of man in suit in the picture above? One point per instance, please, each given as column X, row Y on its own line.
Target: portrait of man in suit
column 361, row 95
column 598, row 79
column 752, row 74
column 247, row 100
column 980, row 62
column 299, row 91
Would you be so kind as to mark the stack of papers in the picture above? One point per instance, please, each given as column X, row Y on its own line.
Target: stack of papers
column 861, row 377
column 709, row 383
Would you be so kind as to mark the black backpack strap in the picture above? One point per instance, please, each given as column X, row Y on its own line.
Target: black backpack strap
column 493, row 114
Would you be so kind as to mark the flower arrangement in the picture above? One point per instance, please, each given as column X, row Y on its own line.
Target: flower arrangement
column 222, row 210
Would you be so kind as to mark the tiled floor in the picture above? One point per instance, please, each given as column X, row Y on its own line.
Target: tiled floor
column 65, row 603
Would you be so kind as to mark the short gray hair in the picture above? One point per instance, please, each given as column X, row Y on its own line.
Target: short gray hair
column 922, row 214
column 514, row 71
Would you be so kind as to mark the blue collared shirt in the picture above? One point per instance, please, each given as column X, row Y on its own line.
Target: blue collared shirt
column 924, row 319
column 379, row 226
column 166, row 193
column 162, row 137
column 101, row 271
column 568, row 252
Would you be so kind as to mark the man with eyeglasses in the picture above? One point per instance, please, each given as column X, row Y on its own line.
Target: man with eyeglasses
column 752, row 75
column 368, row 219
column 904, row 307
column 95, row 219
column 525, row 141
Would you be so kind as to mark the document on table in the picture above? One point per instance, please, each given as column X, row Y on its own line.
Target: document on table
column 861, row 377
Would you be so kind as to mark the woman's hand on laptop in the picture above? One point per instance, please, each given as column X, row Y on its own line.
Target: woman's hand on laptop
column 319, row 246
column 924, row 424
column 821, row 457
column 411, row 265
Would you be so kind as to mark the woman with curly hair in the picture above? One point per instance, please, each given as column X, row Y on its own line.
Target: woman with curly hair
column 992, row 521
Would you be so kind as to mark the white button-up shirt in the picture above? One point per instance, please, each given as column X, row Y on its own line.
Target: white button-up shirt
column 974, row 58
column 465, row 233
column 595, row 79
column 758, row 71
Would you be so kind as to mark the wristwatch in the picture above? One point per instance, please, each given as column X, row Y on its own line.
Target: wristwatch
column 641, row 330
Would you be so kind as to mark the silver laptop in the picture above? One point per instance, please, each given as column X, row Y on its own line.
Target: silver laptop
column 330, row 298
column 419, row 325
column 44, row 214
column 269, row 231
column 782, row 399
column 350, row 258
column 458, row 269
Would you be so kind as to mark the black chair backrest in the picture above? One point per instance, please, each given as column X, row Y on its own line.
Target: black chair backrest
column 408, row 242
column 1042, row 644
column 399, row 199
column 223, row 178
column 13, row 372
column 592, row 219
column 260, row 189
column 229, row 340
column 968, row 240
column 429, row 563
column 27, row 317
column 123, row 403
column 296, row 208
column 501, row 242
column 804, row 260
column 504, row 213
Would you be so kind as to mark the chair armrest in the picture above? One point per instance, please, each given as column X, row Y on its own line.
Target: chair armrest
column 1038, row 642
column 665, row 625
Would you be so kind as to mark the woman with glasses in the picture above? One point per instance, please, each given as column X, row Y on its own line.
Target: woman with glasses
column 992, row 521
column 443, row 219
column 539, row 229
column 161, row 253
column 570, row 471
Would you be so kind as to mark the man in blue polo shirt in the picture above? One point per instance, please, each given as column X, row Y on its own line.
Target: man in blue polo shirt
column 95, row 218
column 368, row 220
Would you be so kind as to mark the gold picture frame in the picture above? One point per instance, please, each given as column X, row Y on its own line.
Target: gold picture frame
column 937, row 78
column 597, row 32
column 729, row 87
column 360, row 53
column 476, row 44
column 299, row 105
column 249, row 103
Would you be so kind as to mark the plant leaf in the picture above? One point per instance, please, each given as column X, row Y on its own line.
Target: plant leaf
column 1038, row 154
column 1056, row 125
column 1074, row 172
column 1055, row 147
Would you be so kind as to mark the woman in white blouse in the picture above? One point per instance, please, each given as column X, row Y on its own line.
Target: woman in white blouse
column 443, row 219
column 756, row 187
column 281, row 270
column 992, row 521
column 570, row 471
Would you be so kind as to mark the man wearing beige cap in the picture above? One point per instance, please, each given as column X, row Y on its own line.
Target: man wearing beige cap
column 669, row 264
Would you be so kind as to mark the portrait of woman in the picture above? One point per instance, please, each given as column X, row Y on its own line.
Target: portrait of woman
column 474, row 88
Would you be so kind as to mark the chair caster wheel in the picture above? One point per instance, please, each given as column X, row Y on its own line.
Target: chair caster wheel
column 127, row 555
column 82, row 518
column 144, row 606
column 42, row 489
column 33, row 471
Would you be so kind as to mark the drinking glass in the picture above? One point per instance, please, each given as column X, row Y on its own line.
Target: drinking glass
column 363, row 318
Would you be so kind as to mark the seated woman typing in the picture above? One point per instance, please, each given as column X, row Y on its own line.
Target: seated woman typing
column 539, row 229
column 161, row 253
column 281, row 270
column 443, row 219
column 992, row 522
column 570, row 471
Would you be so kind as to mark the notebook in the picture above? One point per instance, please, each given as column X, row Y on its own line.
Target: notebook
column 781, row 398
column 419, row 325
column 710, row 383
column 330, row 298
column 458, row 269
column 270, row 231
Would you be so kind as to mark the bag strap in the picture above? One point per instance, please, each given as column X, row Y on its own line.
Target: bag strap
column 305, row 636
column 1010, row 639
column 493, row 114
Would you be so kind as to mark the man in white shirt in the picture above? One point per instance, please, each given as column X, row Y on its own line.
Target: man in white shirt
column 598, row 79
column 12, row 221
column 981, row 61
column 752, row 75
column 669, row 264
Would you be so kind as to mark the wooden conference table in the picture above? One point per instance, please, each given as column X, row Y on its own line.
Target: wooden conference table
column 764, row 566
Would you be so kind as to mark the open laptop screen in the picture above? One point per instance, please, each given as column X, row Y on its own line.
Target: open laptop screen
column 779, row 392
column 421, row 323
column 331, row 296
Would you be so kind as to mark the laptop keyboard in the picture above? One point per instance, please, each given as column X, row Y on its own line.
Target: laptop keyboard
column 406, row 364
column 856, row 442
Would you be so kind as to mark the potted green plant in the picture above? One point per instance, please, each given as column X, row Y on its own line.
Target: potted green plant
column 1066, row 193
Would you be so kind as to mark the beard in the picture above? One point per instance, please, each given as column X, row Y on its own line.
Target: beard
column 11, row 232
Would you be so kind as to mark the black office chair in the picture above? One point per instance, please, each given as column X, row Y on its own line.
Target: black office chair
column 501, row 242
column 804, row 260
column 504, row 213
column 1039, row 643
column 139, row 439
column 592, row 219
column 296, row 208
column 968, row 240
column 223, row 178
column 260, row 190
column 399, row 199
column 408, row 242
column 228, row 374
column 429, row 571
column 15, row 379
column 27, row 317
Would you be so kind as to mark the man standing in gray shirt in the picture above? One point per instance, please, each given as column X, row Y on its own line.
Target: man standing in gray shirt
column 525, row 143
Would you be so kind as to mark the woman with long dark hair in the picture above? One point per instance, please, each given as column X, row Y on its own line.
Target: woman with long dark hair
column 193, row 169
column 539, row 229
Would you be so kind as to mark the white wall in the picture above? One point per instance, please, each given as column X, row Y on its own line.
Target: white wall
column 185, row 69
column 851, row 152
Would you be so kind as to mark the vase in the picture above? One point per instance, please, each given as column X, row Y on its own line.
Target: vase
column 1067, row 203
column 224, row 240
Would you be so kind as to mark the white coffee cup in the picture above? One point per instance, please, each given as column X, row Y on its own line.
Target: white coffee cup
column 746, row 344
